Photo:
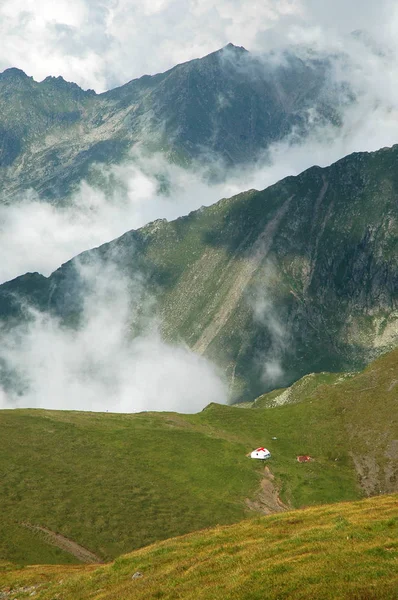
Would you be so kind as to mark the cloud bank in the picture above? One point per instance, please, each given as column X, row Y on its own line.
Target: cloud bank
column 104, row 44
column 100, row 366
column 38, row 236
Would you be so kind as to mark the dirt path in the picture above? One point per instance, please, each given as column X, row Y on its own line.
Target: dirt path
column 267, row 500
column 64, row 543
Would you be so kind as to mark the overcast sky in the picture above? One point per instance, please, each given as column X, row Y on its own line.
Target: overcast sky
column 104, row 43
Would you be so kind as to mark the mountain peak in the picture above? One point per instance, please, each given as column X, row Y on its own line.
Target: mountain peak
column 61, row 83
column 52, row 78
column 14, row 73
column 230, row 50
column 233, row 48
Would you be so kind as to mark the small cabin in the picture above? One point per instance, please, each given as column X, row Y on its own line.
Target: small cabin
column 303, row 458
column 261, row 453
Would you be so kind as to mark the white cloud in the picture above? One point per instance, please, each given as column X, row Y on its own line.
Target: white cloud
column 38, row 236
column 263, row 303
column 99, row 367
column 102, row 44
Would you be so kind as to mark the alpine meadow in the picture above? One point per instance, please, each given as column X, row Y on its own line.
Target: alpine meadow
column 199, row 300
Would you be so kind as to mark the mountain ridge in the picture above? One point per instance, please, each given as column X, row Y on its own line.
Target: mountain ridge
column 300, row 277
column 228, row 106
column 11, row 72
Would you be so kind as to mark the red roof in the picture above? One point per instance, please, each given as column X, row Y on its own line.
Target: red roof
column 304, row 458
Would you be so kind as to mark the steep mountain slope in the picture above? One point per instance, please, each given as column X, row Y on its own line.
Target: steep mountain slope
column 346, row 551
column 270, row 285
column 228, row 105
column 112, row 483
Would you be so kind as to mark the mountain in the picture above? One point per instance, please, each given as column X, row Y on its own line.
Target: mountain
column 228, row 106
column 272, row 285
column 112, row 483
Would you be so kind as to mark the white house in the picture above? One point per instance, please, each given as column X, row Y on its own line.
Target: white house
column 261, row 453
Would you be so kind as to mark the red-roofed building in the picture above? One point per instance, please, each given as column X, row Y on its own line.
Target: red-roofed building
column 304, row 458
column 261, row 453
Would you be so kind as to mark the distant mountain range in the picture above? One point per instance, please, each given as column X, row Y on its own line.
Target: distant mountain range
column 270, row 285
column 228, row 106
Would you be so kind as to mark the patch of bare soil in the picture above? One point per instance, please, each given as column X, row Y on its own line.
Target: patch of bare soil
column 64, row 543
column 267, row 500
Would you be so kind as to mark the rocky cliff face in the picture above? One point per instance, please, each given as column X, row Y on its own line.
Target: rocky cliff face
column 227, row 106
column 270, row 285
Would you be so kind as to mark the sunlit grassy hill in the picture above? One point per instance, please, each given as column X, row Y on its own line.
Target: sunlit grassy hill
column 363, row 407
column 113, row 482
column 346, row 551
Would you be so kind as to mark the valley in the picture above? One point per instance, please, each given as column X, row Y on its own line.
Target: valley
column 120, row 482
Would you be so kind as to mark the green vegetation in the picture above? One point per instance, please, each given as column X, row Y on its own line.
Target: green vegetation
column 113, row 482
column 302, row 389
column 347, row 551
column 360, row 411
column 304, row 273
column 117, row 482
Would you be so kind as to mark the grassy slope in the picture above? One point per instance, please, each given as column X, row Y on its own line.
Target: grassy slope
column 113, row 483
column 305, row 274
column 348, row 551
column 117, row 482
column 365, row 405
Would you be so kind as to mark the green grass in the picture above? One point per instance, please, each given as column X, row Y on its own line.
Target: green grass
column 347, row 551
column 117, row 482
column 114, row 483
column 303, row 389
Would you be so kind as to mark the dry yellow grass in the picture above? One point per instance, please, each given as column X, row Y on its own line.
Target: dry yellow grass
column 346, row 551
